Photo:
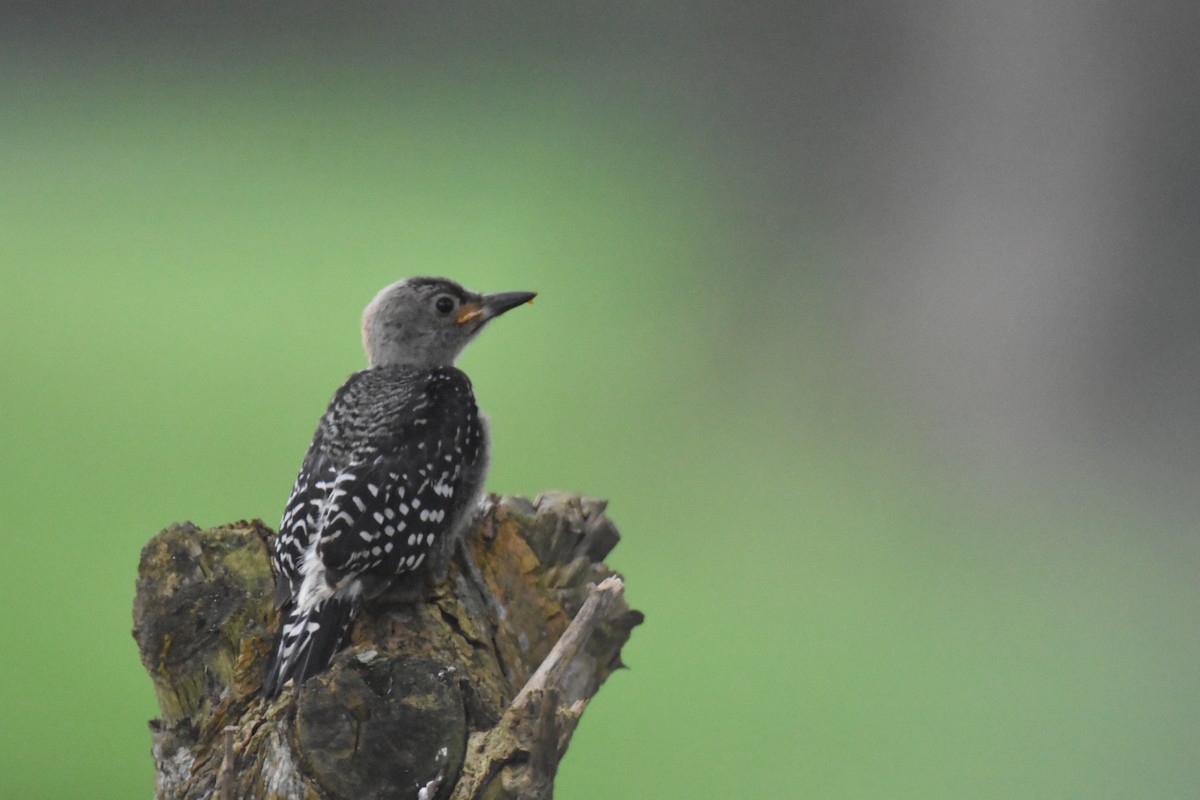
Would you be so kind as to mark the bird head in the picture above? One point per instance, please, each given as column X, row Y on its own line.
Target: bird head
column 426, row 322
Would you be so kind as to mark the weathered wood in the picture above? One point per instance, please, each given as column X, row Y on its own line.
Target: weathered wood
column 436, row 698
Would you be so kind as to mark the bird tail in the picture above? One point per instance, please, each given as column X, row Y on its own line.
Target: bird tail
column 307, row 641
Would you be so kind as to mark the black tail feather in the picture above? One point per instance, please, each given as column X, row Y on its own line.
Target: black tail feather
column 305, row 644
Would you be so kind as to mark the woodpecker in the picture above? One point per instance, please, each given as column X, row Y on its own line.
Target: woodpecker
column 395, row 469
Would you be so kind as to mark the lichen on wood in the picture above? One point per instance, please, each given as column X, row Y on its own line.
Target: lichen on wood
column 437, row 698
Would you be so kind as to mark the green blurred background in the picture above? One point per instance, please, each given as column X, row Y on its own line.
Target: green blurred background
column 876, row 327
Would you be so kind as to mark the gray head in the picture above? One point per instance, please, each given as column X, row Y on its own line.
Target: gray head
column 426, row 322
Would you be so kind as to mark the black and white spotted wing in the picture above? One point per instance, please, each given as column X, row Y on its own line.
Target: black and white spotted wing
column 394, row 468
column 392, row 508
column 299, row 524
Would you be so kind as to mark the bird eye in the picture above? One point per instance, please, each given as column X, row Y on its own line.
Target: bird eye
column 444, row 304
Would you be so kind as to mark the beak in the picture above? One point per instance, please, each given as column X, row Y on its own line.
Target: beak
column 493, row 305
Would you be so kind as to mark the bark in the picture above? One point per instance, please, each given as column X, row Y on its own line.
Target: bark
column 471, row 693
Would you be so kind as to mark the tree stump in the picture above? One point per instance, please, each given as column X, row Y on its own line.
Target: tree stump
column 471, row 693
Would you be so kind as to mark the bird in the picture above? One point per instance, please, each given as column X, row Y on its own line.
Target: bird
column 393, row 474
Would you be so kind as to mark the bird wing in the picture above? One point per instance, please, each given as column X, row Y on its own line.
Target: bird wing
column 300, row 523
column 392, row 507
